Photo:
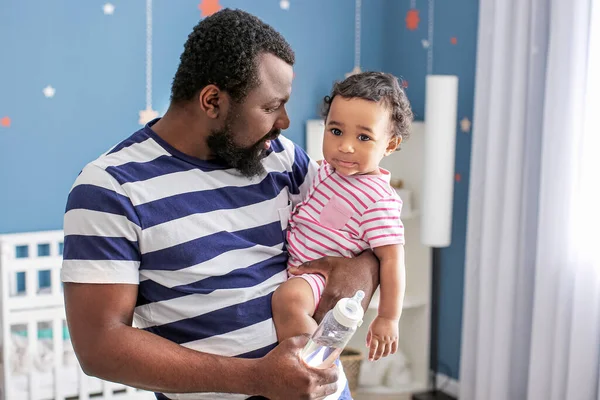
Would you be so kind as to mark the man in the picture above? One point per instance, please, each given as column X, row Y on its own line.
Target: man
column 180, row 229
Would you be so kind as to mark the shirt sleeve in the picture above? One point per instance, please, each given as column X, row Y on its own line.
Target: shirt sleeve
column 381, row 224
column 303, row 169
column 101, row 230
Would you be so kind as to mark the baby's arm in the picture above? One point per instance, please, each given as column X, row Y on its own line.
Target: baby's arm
column 383, row 332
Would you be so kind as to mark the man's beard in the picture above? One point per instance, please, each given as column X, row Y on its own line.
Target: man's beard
column 247, row 160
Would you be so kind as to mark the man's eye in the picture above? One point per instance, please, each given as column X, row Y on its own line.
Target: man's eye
column 363, row 138
column 336, row 132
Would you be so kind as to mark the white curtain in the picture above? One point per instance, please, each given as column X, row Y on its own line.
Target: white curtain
column 531, row 319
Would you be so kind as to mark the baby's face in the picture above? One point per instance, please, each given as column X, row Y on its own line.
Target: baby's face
column 357, row 136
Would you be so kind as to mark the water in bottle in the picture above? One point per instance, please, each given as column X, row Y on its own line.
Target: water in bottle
column 334, row 332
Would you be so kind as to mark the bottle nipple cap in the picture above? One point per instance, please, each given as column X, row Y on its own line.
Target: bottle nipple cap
column 349, row 311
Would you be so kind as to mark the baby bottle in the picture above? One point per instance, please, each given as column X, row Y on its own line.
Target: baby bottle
column 334, row 332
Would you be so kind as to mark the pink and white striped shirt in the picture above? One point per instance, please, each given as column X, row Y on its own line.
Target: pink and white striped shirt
column 343, row 216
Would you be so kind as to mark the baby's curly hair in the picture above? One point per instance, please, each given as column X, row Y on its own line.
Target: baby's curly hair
column 376, row 86
column 222, row 50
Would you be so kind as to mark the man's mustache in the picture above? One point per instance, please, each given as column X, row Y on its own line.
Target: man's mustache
column 274, row 134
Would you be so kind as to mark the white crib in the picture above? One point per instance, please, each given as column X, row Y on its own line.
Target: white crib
column 38, row 362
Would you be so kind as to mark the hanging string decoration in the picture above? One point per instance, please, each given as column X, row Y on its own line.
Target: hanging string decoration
column 357, row 38
column 430, row 38
column 148, row 114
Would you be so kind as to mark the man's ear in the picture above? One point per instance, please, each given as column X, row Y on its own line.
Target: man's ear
column 212, row 100
column 393, row 145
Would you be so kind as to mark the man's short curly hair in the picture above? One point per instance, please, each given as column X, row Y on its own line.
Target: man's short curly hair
column 222, row 50
column 376, row 86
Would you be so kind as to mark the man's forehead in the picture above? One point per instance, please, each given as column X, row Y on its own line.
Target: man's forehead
column 275, row 75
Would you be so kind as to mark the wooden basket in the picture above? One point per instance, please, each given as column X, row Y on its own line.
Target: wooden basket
column 351, row 360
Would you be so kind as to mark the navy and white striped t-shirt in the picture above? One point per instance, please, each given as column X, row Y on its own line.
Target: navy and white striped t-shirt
column 204, row 243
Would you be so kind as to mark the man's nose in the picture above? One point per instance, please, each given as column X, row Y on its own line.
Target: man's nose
column 283, row 122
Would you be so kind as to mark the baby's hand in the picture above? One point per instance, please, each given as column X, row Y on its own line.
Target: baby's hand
column 382, row 338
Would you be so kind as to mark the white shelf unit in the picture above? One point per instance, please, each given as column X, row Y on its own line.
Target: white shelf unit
column 407, row 165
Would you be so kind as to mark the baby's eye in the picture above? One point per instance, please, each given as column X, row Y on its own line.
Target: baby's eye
column 336, row 132
column 363, row 138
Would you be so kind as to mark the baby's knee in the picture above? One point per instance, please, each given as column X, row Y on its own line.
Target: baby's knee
column 284, row 294
column 291, row 294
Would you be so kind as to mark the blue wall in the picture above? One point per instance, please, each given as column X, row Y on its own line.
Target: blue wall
column 408, row 57
column 96, row 63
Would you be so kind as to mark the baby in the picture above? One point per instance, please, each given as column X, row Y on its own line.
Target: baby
column 351, row 207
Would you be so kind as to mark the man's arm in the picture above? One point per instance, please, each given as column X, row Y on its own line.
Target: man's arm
column 344, row 277
column 100, row 316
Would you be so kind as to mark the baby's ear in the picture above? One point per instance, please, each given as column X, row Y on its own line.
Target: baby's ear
column 393, row 144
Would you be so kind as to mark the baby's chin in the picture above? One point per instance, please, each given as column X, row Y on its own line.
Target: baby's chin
column 347, row 169
column 355, row 172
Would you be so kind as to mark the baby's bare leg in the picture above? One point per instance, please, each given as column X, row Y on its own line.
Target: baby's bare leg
column 293, row 307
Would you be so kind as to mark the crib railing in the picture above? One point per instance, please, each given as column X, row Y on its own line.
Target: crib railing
column 33, row 315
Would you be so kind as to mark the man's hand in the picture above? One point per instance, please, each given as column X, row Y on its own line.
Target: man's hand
column 284, row 375
column 344, row 276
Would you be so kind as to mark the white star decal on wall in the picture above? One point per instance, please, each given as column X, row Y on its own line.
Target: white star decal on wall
column 147, row 115
column 354, row 71
column 108, row 9
column 284, row 4
column 49, row 91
